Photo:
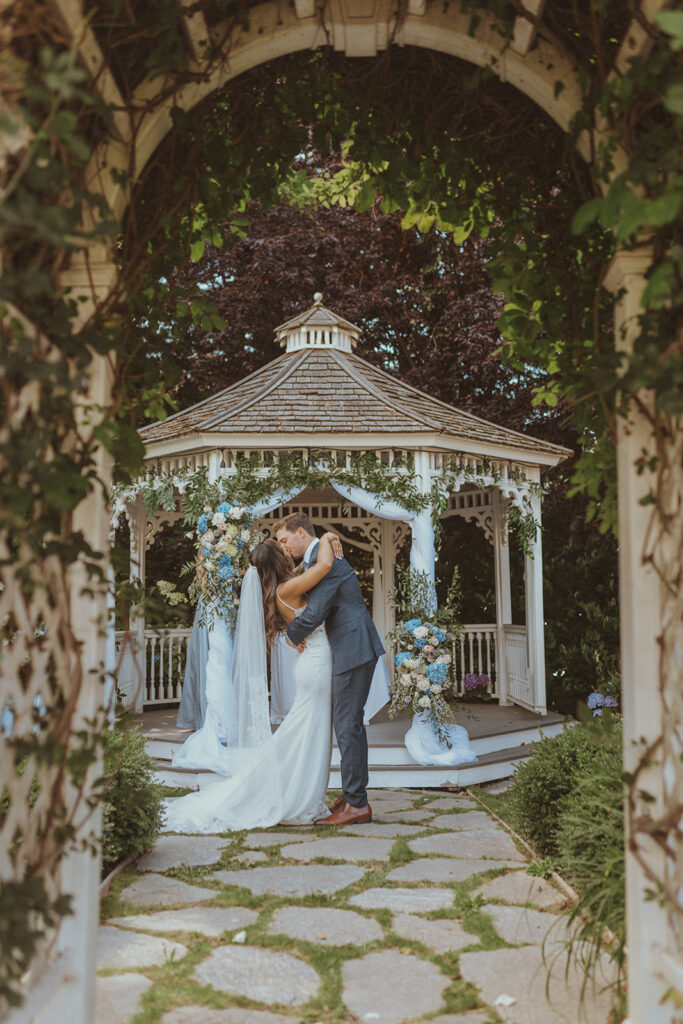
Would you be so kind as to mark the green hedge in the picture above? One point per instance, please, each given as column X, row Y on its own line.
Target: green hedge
column 567, row 799
column 544, row 783
column 132, row 813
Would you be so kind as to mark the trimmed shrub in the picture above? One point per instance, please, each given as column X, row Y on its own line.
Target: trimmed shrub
column 543, row 783
column 132, row 812
column 592, row 855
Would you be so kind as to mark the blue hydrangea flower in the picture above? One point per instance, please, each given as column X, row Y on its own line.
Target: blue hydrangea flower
column 412, row 624
column 439, row 634
column 226, row 572
column 225, row 560
column 224, row 507
column 595, row 700
column 401, row 658
column 437, row 673
column 419, row 642
column 239, row 543
column 202, row 524
column 206, row 551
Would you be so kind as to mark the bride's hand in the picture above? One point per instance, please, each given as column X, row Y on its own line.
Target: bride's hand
column 335, row 543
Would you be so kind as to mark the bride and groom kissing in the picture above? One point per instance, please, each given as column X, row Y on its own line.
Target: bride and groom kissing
column 321, row 609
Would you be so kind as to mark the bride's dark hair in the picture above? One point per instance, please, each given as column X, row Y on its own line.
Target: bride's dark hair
column 274, row 566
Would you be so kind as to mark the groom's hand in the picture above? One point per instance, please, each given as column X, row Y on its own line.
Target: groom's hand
column 297, row 647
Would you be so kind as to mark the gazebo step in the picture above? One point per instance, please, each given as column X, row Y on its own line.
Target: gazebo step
column 395, row 754
column 495, row 765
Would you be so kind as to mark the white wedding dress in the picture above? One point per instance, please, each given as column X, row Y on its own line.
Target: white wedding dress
column 283, row 780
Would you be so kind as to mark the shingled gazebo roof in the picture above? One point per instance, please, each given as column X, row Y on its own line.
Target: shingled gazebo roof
column 319, row 387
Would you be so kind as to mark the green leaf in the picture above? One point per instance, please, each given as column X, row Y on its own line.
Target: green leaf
column 586, row 214
column 367, row 195
column 673, row 98
column 664, row 209
column 197, row 250
column 671, row 22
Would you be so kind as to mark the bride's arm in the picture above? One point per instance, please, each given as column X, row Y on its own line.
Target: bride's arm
column 328, row 549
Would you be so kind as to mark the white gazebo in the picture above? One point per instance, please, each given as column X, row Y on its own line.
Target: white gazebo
column 319, row 395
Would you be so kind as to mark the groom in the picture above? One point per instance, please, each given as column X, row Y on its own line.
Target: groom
column 337, row 601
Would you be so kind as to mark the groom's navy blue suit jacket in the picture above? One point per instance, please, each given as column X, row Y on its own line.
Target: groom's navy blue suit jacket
column 338, row 602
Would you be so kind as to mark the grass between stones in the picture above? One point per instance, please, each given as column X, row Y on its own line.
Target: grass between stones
column 172, row 985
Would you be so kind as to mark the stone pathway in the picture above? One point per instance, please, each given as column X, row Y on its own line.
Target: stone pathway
column 425, row 914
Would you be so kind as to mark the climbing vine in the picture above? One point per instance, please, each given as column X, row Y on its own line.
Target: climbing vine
column 468, row 163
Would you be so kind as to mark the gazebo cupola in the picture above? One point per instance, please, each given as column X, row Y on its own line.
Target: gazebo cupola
column 317, row 327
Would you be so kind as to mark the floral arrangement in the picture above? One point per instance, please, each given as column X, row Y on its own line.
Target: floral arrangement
column 606, row 696
column 224, row 536
column 473, row 682
column 423, row 672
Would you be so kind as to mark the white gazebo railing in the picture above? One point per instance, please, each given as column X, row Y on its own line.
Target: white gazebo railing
column 517, row 665
column 475, row 651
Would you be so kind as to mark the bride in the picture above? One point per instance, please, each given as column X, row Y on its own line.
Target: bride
column 281, row 778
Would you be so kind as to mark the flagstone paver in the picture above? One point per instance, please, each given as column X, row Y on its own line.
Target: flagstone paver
column 522, row 926
column 171, row 850
column 263, row 975
column 252, row 857
column 518, row 887
column 473, row 1017
column 293, row 880
column 440, row 869
column 255, row 840
column 440, row 935
column 326, row 925
column 456, row 841
column 118, row 948
column 391, row 987
column 419, row 900
column 234, row 1015
column 386, row 830
column 417, row 816
column 464, row 820
column 159, row 891
column 492, row 843
column 341, row 848
column 117, row 997
column 523, row 974
column 206, row 920
column 447, row 803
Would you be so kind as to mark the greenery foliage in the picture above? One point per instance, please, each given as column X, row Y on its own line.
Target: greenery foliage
column 567, row 800
column 455, row 172
column 545, row 781
column 132, row 812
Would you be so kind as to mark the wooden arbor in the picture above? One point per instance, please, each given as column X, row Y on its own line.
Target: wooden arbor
column 320, row 395
column 533, row 60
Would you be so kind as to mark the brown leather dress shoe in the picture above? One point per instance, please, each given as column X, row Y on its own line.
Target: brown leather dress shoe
column 347, row 815
column 339, row 802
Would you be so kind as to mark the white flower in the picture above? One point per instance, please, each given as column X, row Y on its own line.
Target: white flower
column 423, row 684
column 222, row 546
column 236, row 512
column 434, row 641
column 208, row 537
column 436, row 687
column 443, row 659
column 405, row 678
column 410, row 664
column 421, row 632
column 424, row 702
column 245, row 535
column 218, row 519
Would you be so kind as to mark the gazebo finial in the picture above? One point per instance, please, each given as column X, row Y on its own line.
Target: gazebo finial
column 318, row 298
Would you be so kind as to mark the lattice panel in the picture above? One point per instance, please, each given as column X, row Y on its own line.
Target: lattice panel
column 41, row 680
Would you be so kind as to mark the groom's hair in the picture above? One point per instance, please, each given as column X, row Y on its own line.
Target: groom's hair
column 295, row 521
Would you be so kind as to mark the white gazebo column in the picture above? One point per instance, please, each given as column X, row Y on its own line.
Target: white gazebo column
column 533, row 579
column 422, row 549
column 653, row 958
column 135, row 662
column 501, row 556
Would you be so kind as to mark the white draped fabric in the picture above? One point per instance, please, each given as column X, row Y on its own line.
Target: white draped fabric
column 425, row 747
column 423, row 547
